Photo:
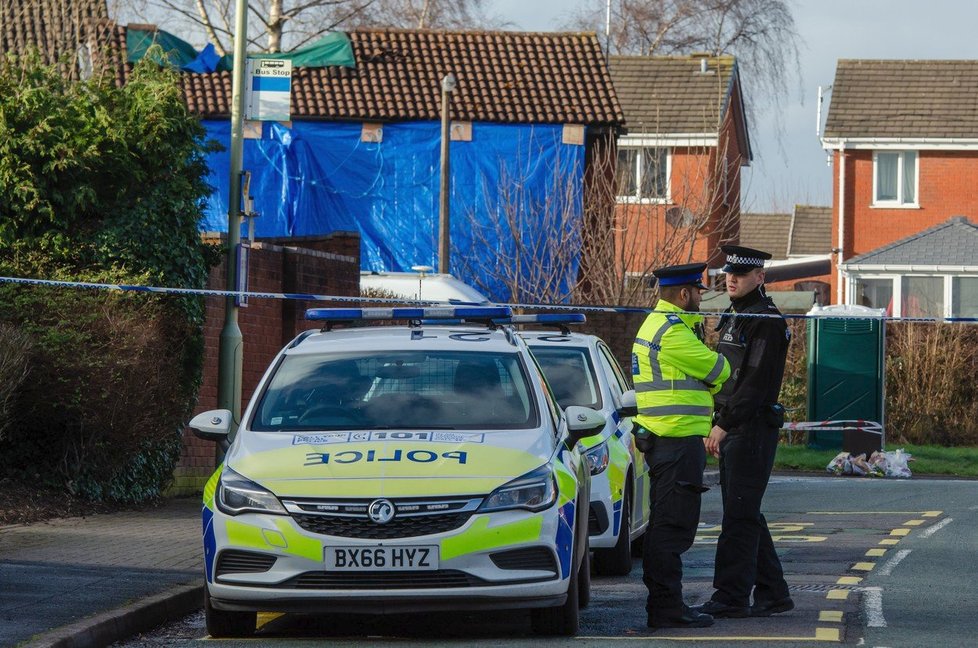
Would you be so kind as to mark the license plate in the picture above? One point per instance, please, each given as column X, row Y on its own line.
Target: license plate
column 418, row 558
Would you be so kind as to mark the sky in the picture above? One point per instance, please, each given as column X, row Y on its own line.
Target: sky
column 829, row 30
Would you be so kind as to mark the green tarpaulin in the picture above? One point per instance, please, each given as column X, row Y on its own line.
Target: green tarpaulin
column 178, row 52
column 333, row 49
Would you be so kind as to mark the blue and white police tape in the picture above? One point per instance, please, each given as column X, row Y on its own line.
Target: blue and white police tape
column 206, row 292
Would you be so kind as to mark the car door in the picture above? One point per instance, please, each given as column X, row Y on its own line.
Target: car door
column 640, row 471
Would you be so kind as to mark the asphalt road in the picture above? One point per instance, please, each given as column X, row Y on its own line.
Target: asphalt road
column 869, row 562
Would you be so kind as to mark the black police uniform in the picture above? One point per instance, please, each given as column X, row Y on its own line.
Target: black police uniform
column 748, row 409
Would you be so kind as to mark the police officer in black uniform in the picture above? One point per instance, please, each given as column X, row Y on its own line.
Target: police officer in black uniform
column 745, row 437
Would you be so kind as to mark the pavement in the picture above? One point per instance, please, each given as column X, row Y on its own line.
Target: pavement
column 91, row 581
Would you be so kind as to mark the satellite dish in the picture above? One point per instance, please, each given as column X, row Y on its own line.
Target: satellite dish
column 680, row 216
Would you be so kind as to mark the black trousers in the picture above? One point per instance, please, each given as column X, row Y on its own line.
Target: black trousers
column 745, row 557
column 676, row 469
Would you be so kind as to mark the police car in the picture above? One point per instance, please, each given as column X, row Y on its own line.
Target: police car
column 582, row 371
column 383, row 469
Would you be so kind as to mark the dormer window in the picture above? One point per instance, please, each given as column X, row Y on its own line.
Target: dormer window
column 643, row 174
column 895, row 179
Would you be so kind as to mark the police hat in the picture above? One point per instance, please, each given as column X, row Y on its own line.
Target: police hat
column 741, row 260
column 688, row 274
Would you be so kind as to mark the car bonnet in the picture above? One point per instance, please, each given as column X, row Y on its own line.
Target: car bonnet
column 375, row 463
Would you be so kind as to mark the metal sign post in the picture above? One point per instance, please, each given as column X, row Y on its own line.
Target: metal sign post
column 230, row 351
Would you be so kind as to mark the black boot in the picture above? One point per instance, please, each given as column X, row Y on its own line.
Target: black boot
column 683, row 618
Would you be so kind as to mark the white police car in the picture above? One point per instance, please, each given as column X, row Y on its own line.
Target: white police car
column 582, row 371
column 399, row 468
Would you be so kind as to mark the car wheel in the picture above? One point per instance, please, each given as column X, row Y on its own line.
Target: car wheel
column 562, row 620
column 617, row 561
column 638, row 545
column 222, row 623
column 584, row 578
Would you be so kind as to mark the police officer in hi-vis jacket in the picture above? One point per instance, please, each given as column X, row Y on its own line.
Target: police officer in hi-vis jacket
column 675, row 376
column 745, row 437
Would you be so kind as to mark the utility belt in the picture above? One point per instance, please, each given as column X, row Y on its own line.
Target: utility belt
column 645, row 438
column 770, row 415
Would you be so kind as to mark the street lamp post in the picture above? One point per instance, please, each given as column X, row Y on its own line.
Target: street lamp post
column 447, row 86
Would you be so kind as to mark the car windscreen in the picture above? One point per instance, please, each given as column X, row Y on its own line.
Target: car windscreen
column 570, row 373
column 445, row 390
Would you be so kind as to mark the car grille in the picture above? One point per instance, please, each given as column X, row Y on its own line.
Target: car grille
column 382, row 580
column 539, row 558
column 412, row 518
column 243, row 562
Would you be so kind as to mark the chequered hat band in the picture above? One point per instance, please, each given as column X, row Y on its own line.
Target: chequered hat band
column 733, row 259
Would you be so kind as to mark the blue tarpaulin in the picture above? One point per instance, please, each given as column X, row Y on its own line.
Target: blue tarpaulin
column 509, row 183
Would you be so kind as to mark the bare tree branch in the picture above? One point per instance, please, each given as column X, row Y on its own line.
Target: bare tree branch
column 761, row 34
column 287, row 24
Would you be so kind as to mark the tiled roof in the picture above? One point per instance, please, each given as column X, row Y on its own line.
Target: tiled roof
column 53, row 27
column 811, row 231
column 805, row 232
column 669, row 94
column 767, row 232
column 508, row 77
column 952, row 243
column 877, row 98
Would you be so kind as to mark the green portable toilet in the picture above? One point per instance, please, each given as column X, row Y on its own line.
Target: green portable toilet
column 846, row 371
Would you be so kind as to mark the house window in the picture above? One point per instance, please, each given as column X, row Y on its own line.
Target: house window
column 643, row 173
column 964, row 297
column 935, row 295
column 875, row 293
column 895, row 178
column 922, row 297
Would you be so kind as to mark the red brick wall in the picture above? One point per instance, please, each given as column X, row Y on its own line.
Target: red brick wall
column 946, row 189
column 266, row 324
column 696, row 183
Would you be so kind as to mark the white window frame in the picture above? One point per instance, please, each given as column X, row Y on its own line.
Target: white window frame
column 897, row 286
column 639, row 168
column 949, row 290
column 853, row 280
column 898, row 203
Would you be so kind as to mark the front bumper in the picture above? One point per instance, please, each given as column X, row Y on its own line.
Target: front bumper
column 604, row 517
column 501, row 560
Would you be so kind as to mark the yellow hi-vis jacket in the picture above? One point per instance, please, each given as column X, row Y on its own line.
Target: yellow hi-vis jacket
column 675, row 374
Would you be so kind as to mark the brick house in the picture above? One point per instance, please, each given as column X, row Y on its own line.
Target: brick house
column 800, row 244
column 903, row 138
column 678, row 167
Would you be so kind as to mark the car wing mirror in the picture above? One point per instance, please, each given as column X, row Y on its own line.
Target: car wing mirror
column 212, row 425
column 629, row 406
column 583, row 422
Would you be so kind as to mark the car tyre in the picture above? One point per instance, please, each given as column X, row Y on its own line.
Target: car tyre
column 563, row 620
column 617, row 561
column 584, row 578
column 224, row 623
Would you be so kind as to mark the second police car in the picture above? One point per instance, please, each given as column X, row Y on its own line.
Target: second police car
column 582, row 370
column 399, row 468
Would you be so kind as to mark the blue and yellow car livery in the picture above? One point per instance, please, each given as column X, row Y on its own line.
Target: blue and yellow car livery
column 392, row 469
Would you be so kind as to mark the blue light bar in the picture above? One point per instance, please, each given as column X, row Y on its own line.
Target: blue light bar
column 544, row 318
column 409, row 313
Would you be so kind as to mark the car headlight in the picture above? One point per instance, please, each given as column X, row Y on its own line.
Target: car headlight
column 237, row 495
column 597, row 458
column 534, row 491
